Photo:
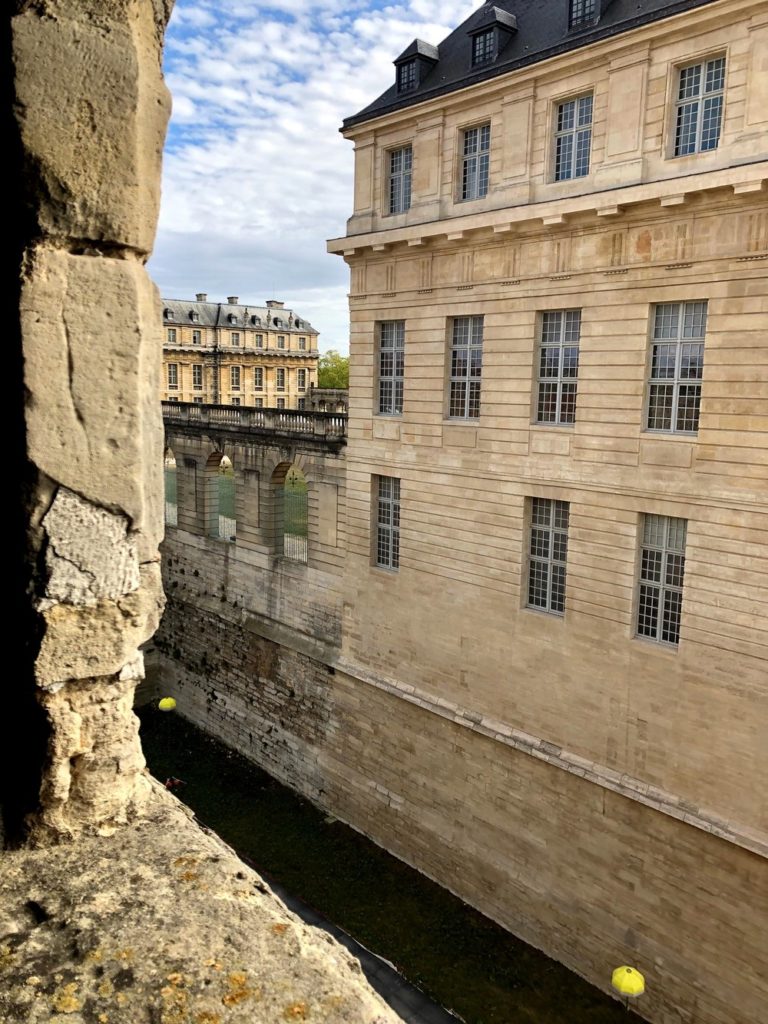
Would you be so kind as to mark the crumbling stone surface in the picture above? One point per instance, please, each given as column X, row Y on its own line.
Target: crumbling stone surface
column 162, row 924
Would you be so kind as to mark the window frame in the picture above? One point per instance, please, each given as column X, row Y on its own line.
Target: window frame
column 476, row 184
column 573, row 132
column 555, row 506
column 280, row 376
column 301, row 379
column 197, row 372
column 235, row 374
column 234, row 339
column 258, row 378
column 676, row 381
column 468, row 378
column 302, row 344
column 281, row 341
column 661, row 585
column 386, row 533
column 488, row 37
column 582, row 12
column 395, row 380
column 171, row 336
column 197, row 337
column 700, row 98
column 403, row 176
column 560, row 379
column 172, row 376
column 407, row 78
column 258, row 341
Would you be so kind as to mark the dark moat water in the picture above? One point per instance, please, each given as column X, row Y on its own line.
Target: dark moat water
column 460, row 958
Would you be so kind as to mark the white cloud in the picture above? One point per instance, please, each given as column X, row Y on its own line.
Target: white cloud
column 256, row 175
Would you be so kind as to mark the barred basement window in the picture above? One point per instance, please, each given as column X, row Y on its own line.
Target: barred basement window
column 173, row 376
column 387, row 522
column 197, row 337
column 400, row 171
column 280, row 379
column 573, row 138
column 548, row 551
column 466, row 367
column 391, row 366
column 258, row 378
column 483, row 47
column 558, row 366
column 677, row 367
column 301, row 380
column 197, row 377
column 662, row 567
column 234, row 377
column 581, row 12
column 699, row 107
column 476, row 153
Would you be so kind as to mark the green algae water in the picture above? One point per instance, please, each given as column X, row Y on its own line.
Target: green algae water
column 454, row 954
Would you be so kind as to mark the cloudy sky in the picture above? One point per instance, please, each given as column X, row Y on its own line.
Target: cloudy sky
column 256, row 175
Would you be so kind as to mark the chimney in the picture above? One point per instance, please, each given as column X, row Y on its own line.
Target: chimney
column 274, row 304
column 232, row 300
column 201, row 297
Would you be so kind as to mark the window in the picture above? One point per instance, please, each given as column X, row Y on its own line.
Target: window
column 281, row 341
column 258, row 340
column 302, row 403
column 301, row 380
column 581, row 12
column 302, row 343
column 387, row 522
column 173, row 376
column 466, row 367
column 391, row 366
column 235, row 401
column 234, row 377
column 400, row 170
column 258, row 378
column 197, row 376
column 699, row 107
column 197, row 400
column 483, row 47
column 173, row 399
column 406, row 76
column 558, row 366
column 194, row 317
column 573, row 138
column 280, row 379
column 281, row 403
column 677, row 366
column 662, row 566
column 171, row 335
column 234, row 338
column 259, row 403
column 476, row 148
column 197, row 337
column 548, row 551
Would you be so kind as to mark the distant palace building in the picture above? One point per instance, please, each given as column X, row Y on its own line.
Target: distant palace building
column 227, row 354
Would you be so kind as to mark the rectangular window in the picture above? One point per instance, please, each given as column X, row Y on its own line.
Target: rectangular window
column 302, row 403
column 547, row 552
column 171, row 335
column 197, row 377
column 258, row 378
column 235, row 401
column 406, row 76
column 280, row 379
column 476, row 150
column 573, row 138
column 558, row 366
column 400, row 172
column 281, row 403
column 677, row 367
column 301, row 380
column 387, row 522
column 466, row 367
column 699, row 107
column 234, row 378
column 581, row 12
column 302, row 343
column 173, row 376
column 483, row 47
column 234, row 337
column 281, row 341
column 197, row 337
column 259, row 403
column 391, row 366
column 258, row 340
column 197, row 401
column 662, row 567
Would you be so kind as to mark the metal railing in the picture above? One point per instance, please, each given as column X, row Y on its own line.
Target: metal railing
column 245, row 417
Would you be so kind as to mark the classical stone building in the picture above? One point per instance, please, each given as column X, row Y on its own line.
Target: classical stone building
column 229, row 354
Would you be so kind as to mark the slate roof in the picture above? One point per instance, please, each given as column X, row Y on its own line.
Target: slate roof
column 542, row 32
column 217, row 314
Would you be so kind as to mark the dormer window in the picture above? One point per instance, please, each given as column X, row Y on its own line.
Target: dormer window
column 483, row 47
column 406, row 76
column 232, row 318
column 194, row 317
column 581, row 12
column 168, row 314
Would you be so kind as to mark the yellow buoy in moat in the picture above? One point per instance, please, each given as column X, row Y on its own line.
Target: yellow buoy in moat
column 167, row 704
column 628, row 981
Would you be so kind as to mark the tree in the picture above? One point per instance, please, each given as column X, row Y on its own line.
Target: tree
column 333, row 370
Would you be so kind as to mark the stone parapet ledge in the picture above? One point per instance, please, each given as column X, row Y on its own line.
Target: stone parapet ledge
column 162, row 924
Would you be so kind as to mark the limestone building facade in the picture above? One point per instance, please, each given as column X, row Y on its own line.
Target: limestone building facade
column 230, row 354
